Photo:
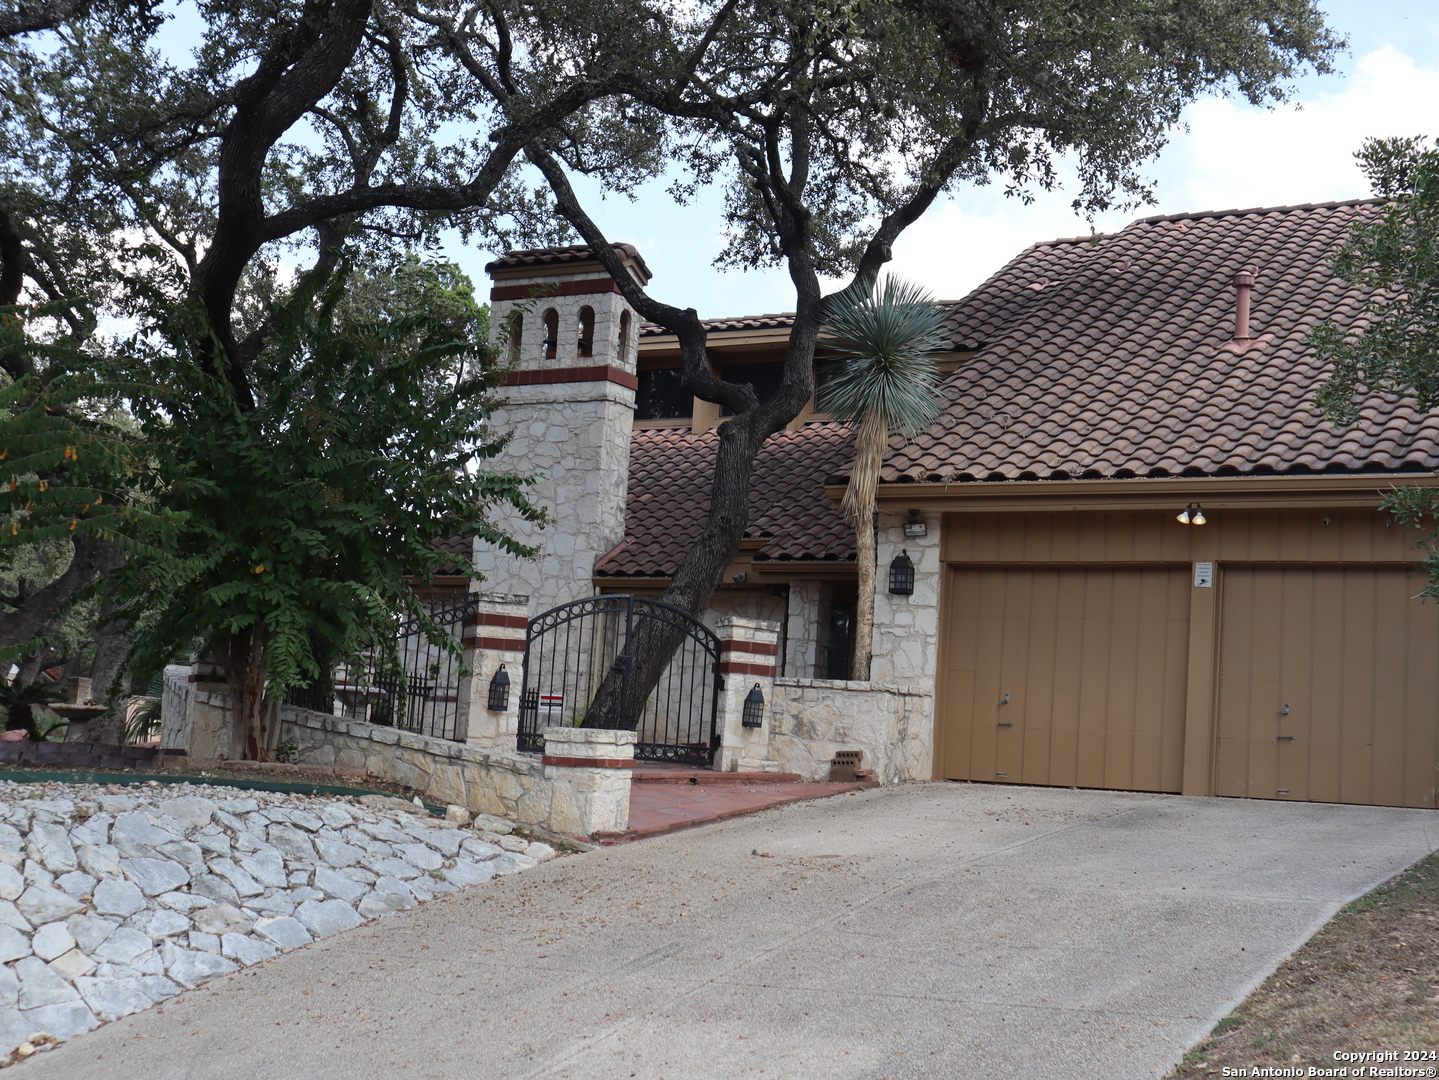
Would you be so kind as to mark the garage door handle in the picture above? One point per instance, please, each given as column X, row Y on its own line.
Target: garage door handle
column 1004, row 723
column 1284, row 738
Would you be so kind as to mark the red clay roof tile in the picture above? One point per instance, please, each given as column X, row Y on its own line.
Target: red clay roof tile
column 671, row 471
column 1120, row 373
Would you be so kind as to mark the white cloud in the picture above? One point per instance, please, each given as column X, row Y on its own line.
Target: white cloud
column 1233, row 155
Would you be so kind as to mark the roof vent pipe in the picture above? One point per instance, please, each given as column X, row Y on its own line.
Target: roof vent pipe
column 1242, row 341
column 1243, row 286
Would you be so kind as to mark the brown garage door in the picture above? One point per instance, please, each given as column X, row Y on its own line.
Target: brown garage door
column 1356, row 663
column 1092, row 663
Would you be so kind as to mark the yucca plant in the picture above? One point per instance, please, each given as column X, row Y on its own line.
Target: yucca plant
column 886, row 381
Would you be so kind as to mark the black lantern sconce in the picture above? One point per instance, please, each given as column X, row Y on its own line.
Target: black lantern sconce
column 901, row 575
column 500, row 690
column 753, row 715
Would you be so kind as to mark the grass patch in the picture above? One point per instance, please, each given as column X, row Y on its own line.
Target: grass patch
column 1369, row 980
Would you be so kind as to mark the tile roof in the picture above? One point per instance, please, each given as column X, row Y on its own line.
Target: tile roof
column 719, row 326
column 463, row 546
column 974, row 321
column 983, row 315
column 1114, row 369
column 558, row 256
column 670, row 476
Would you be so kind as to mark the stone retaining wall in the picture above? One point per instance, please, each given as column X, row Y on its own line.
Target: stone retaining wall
column 892, row 724
column 567, row 801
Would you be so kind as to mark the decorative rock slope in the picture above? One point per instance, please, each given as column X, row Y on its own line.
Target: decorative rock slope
column 111, row 902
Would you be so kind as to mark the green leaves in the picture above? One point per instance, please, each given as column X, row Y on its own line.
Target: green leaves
column 1395, row 253
column 884, row 340
column 312, row 514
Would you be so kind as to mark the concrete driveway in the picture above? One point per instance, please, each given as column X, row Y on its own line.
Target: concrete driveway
column 929, row 930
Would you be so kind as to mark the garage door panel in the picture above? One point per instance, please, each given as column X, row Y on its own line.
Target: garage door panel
column 1355, row 659
column 1086, row 656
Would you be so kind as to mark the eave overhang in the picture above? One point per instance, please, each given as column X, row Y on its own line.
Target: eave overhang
column 1215, row 492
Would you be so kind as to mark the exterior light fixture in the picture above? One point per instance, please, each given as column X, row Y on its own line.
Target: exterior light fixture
column 901, row 575
column 1193, row 514
column 500, row 690
column 753, row 715
column 914, row 528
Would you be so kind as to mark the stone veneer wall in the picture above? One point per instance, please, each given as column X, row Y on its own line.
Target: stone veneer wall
column 566, row 801
column 574, row 437
column 804, row 630
column 893, row 724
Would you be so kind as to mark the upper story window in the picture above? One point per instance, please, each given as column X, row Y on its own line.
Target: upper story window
column 765, row 378
column 661, row 397
column 586, row 344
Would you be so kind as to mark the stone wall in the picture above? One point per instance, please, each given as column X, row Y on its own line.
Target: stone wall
column 893, row 724
column 805, row 629
column 175, row 720
column 194, row 715
column 566, row 801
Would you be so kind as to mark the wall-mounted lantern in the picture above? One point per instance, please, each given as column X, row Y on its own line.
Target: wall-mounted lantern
column 901, row 575
column 915, row 528
column 500, row 690
column 1193, row 514
column 753, row 715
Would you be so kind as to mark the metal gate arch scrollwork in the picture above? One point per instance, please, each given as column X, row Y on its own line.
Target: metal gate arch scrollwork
column 586, row 659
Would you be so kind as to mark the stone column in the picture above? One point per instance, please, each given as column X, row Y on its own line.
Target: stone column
column 493, row 637
column 749, row 649
column 593, row 768
column 906, row 630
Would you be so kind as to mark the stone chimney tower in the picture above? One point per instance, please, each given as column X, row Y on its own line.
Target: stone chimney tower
column 570, row 403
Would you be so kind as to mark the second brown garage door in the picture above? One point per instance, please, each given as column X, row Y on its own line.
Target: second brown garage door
column 1328, row 686
column 1066, row 676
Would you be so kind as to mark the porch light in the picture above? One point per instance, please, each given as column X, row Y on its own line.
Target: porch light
column 753, row 715
column 500, row 690
column 1193, row 514
column 914, row 528
column 901, row 575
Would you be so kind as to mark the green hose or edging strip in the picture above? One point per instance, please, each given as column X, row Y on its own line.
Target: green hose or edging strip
column 243, row 785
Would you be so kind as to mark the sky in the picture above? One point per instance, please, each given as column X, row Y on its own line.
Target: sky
column 1229, row 155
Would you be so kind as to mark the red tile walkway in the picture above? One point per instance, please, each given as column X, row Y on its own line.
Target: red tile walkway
column 666, row 799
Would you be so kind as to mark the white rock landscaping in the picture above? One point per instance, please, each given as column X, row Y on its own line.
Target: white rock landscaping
column 114, row 899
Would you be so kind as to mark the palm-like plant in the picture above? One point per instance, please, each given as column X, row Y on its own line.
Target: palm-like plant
column 885, row 380
column 20, row 701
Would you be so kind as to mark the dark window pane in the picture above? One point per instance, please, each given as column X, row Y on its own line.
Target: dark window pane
column 837, row 660
column 660, row 396
column 765, row 378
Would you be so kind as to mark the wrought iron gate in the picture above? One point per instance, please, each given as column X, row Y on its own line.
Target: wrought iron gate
column 408, row 682
column 578, row 650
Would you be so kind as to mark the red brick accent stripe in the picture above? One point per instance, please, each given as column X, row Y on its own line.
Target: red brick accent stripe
column 761, row 648
column 518, row 622
column 589, row 762
column 598, row 373
column 583, row 287
column 498, row 644
column 731, row 667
